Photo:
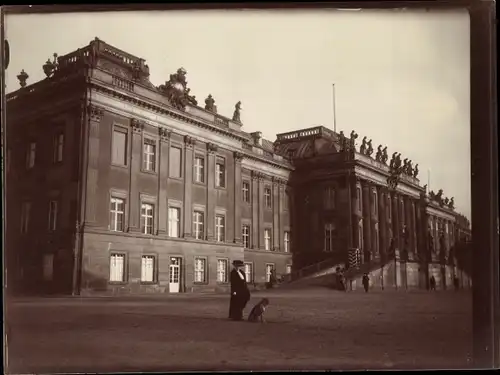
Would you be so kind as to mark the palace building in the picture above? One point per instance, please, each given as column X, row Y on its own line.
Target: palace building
column 117, row 186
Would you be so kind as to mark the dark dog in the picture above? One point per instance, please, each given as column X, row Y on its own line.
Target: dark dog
column 258, row 310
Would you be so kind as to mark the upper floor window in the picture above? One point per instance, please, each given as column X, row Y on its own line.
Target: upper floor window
column 246, row 191
column 52, row 215
column 174, row 223
column 329, row 236
column 267, row 197
column 199, row 169
column 245, row 232
column 175, row 162
column 198, row 224
column 117, row 214
column 58, row 148
column 31, row 155
column 147, row 218
column 25, row 216
column 358, row 198
column 220, row 172
column 119, row 147
column 267, row 239
column 220, row 228
column 374, row 202
column 286, row 241
column 329, row 197
column 149, row 155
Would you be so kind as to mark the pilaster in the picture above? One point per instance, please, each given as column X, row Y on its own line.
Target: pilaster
column 189, row 143
column 163, row 153
column 395, row 220
column 281, row 212
column 237, row 197
column 366, row 215
column 211, row 192
column 260, row 216
column 255, row 210
column 135, row 168
column 276, row 207
column 95, row 115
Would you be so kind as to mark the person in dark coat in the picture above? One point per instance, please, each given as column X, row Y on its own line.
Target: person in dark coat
column 240, row 295
column 366, row 282
column 432, row 283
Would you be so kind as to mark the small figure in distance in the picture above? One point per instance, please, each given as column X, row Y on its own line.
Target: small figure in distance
column 432, row 283
column 366, row 282
column 258, row 310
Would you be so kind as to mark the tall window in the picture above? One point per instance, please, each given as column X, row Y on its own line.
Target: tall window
column 117, row 268
column 200, row 265
column 329, row 236
column 199, row 169
column 246, row 191
column 245, row 233
column 175, row 162
column 389, row 207
column 147, row 268
column 147, row 218
column 220, row 223
column 58, row 148
column 25, row 216
column 269, row 271
column 286, row 241
column 329, row 197
column 198, row 223
column 249, row 272
column 119, row 147
column 117, row 214
column 220, row 172
column 149, row 155
column 288, row 269
column 52, row 215
column 222, row 266
column 358, row 196
column 374, row 202
column 267, row 197
column 360, row 234
column 174, row 221
column 267, row 239
column 31, row 155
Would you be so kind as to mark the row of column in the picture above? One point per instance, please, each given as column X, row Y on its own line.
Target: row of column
column 442, row 231
column 380, row 215
column 277, row 225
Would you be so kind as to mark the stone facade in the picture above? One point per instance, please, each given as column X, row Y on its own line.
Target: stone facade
column 117, row 186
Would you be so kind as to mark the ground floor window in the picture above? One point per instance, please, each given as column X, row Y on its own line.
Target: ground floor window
column 200, row 268
column 288, row 269
column 117, row 268
column 249, row 272
column 147, row 268
column 222, row 266
column 269, row 271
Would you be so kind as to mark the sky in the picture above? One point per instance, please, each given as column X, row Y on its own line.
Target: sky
column 401, row 77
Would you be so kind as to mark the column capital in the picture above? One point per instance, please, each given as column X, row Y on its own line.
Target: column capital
column 238, row 156
column 137, row 125
column 212, row 148
column 189, row 141
column 164, row 134
column 95, row 112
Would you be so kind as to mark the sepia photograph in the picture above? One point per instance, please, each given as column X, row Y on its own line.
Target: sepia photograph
column 237, row 190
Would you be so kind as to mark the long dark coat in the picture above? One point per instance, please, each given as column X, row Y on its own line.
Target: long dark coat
column 240, row 295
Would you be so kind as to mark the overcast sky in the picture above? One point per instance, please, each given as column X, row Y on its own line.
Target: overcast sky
column 401, row 77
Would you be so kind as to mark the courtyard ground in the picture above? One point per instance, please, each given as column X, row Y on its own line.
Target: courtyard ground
column 306, row 329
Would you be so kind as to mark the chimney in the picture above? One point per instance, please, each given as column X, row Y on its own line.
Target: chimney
column 257, row 138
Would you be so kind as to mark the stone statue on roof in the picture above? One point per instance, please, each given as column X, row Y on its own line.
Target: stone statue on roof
column 362, row 148
column 210, row 104
column 385, row 156
column 176, row 90
column 378, row 155
column 369, row 150
column 237, row 112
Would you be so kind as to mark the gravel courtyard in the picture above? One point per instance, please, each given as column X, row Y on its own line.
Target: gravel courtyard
column 306, row 329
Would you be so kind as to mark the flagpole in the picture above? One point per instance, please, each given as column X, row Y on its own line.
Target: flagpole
column 334, row 112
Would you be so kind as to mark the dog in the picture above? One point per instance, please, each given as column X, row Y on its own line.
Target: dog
column 258, row 310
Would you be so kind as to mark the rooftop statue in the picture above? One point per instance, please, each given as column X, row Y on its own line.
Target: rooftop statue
column 369, row 150
column 237, row 112
column 176, row 90
column 415, row 171
column 385, row 157
column 378, row 155
column 210, row 104
column 451, row 203
column 362, row 148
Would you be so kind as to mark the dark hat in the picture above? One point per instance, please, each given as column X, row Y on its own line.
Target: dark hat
column 238, row 263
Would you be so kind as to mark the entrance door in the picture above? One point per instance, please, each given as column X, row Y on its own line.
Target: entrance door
column 175, row 275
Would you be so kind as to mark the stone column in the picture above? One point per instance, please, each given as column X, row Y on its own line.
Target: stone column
column 189, row 143
column 409, row 226
column 356, row 213
column 367, row 238
column 276, row 212
column 395, row 220
column 95, row 116
column 281, row 225
column 163, row 154
column 255, row 210
column 382, row 220
column 260, row 216
column 414, row 229
column 135, row 168
column 238, row 156
column 375, row 198
column 211, row 192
